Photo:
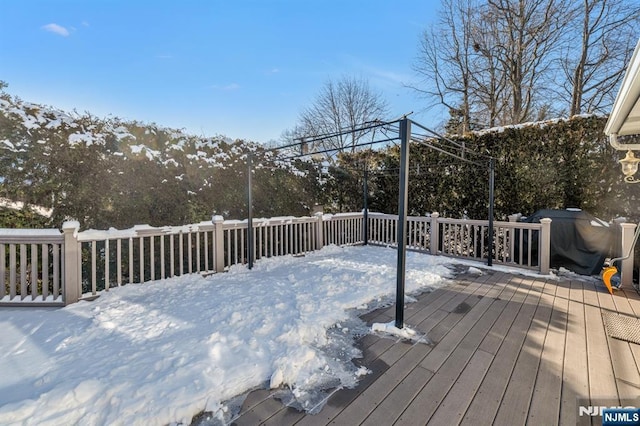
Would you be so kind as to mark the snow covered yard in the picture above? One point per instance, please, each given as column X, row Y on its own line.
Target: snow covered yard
column 163, row 351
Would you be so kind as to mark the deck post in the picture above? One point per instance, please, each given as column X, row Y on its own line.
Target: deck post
column 626, row 265
column 433, row 233
column 72, row 284
column 545, row 245
column 218, row 243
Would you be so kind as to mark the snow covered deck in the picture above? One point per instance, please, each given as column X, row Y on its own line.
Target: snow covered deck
column 509, row 349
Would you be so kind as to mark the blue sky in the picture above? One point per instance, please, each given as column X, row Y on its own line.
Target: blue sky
column 244, row 68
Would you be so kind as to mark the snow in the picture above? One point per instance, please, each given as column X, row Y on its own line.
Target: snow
column 19, row 205
column 27, row 233
column 541, row 124
column 474, row 271
column 163, row 351
column 171, row 147
column 405, row 332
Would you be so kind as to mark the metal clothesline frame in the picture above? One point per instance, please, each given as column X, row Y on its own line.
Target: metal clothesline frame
column 405, row 137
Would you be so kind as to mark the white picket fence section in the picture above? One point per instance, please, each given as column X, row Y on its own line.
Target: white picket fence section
column 278, row 236
column 144, row 253
column 516, row 243
column 50, row 267
column 343, row 228
column 31, row 265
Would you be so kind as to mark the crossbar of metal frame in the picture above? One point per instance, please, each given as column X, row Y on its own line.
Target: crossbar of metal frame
column 450, row 154
column 319, row 138
column 324, row 151
column 444, row 138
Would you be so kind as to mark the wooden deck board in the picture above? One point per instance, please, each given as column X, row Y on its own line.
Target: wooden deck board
column 514, row 408
column 285, row 416
column 575, row 383
column 367, row 403
column 398, row 372
column 508, row 349
column 471, row 331
column 362, row 406
column 387, row 411
column 489, row 396
column 515, row 295
column 258, row 408
column 487, row 400
column 427, row 309
column 547, row 392
column 631, row 297
column 345, row 397
column 454, row 406
column 453, row 338
column 602, row 383
column 624, row 367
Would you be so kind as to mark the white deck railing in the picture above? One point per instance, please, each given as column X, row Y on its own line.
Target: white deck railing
column 276, row 236
column 31, row 266
column 516, row 243
column 50, row 267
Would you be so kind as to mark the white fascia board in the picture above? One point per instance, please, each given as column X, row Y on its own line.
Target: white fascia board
column 625, row 114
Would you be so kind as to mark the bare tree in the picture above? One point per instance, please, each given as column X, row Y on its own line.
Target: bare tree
column 608, row 30
column 445, row 61
column 526, row 39
column 493, row 62
column 338, row 113
column 489, row 81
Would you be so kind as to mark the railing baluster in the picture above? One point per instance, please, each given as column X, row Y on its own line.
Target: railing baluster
column 190, row 251
column 34, row 271
column 172, row 256
column 152, row 258
column 181, row 252
column 119, row 262
column 23, row 271
column 106, row 264
column 3, row 272
column 12, row 271
column 56, row 270
column 294, row 238
column 228, row 233
column 131, row 260
column 285, row 239
column 206, row 251
column 162, row 258
column 272, row 232
column 529, row 251
column 141, row 253
column 242, row 248
column 198, row 258
column 93, row 268
column 259, row 250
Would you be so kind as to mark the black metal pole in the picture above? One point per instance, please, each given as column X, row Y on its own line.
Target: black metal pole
column 492, row 168
column 365, row 208
column 405, row 135
column 249, row 212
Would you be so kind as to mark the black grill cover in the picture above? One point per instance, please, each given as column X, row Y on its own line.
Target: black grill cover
column 579, row 241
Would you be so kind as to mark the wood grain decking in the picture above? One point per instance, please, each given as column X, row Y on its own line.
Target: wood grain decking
column 508, row 350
